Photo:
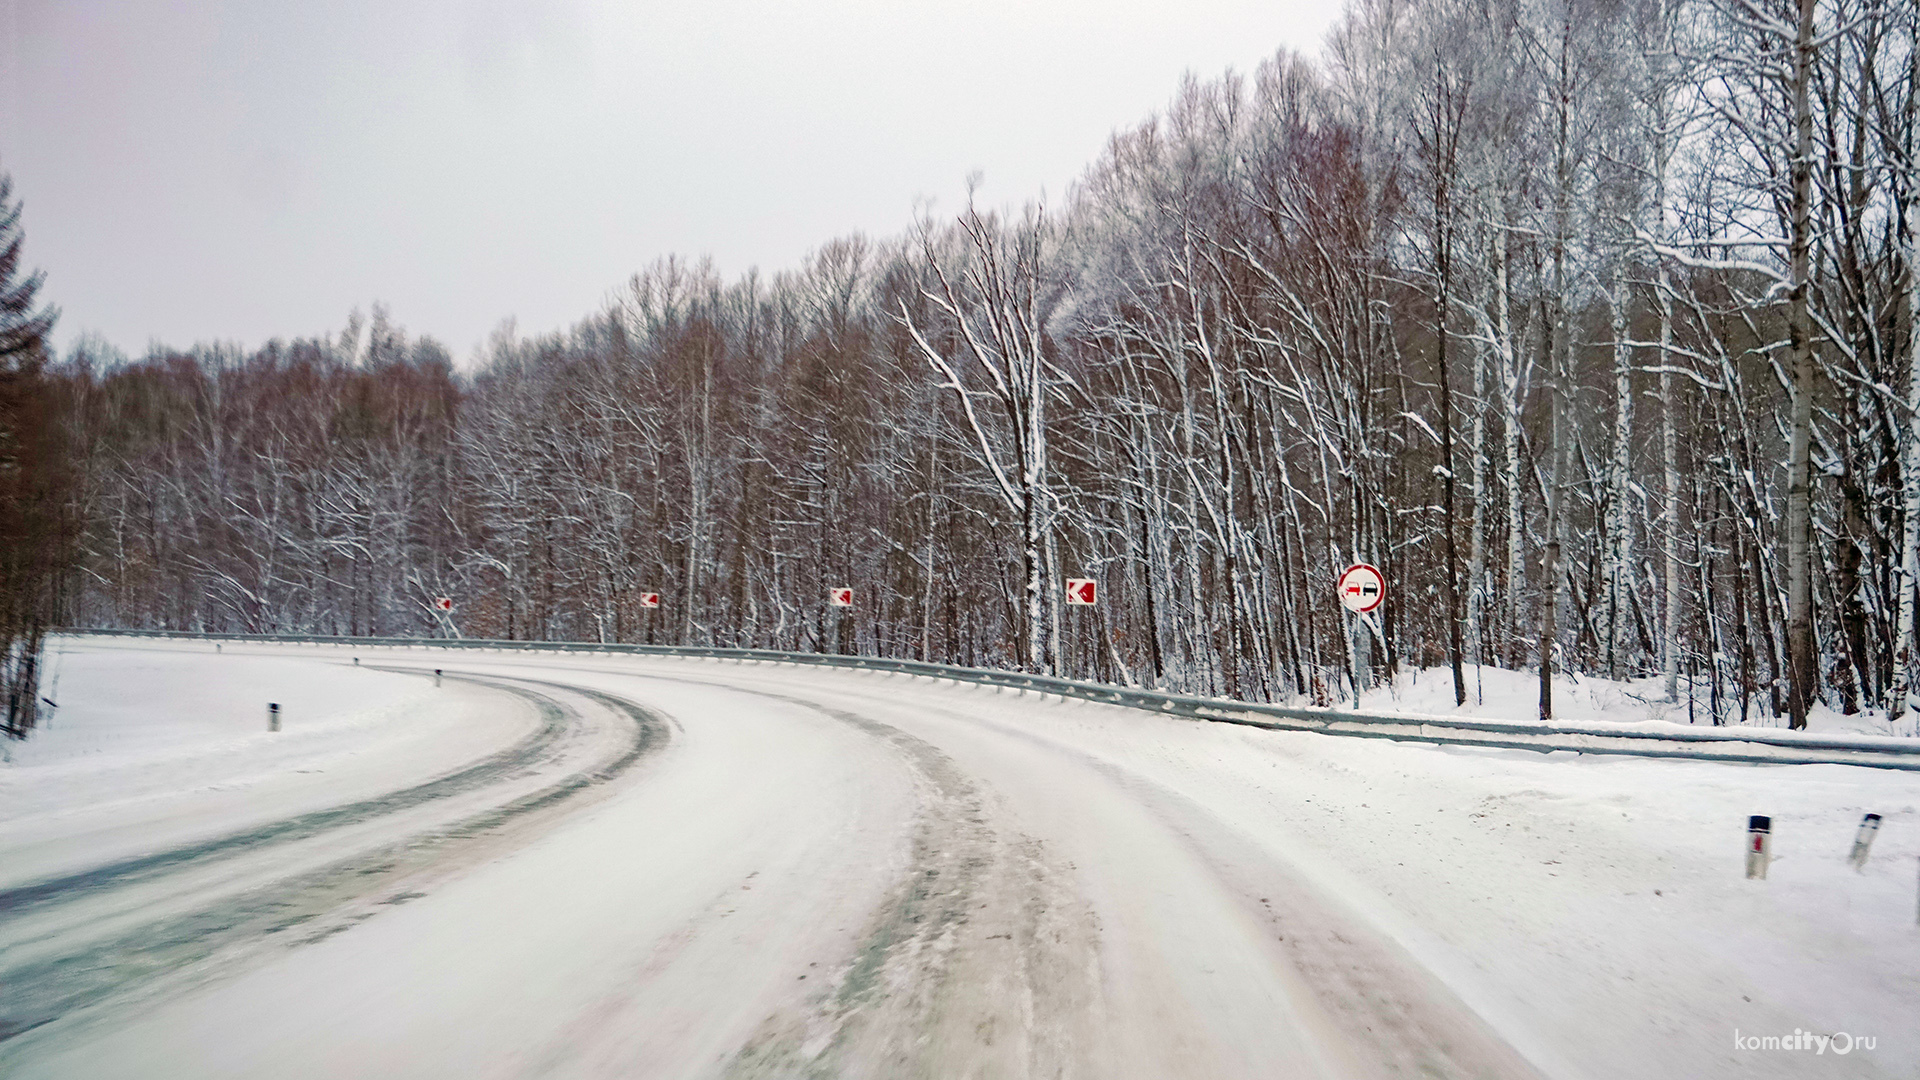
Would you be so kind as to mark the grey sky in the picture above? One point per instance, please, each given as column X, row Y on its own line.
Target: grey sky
column 237, row 171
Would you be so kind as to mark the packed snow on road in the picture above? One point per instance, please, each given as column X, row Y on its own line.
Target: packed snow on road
column 616, row 866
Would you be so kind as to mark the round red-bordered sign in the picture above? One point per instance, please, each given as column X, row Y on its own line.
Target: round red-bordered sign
column 1362, row 587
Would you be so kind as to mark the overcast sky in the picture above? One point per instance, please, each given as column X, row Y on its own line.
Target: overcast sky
column 238, row 171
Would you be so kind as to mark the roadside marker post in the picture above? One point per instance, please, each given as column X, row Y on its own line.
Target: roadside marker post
column 436, row 676
column 1863, row 841
column 1759, row 845
column 273, row 716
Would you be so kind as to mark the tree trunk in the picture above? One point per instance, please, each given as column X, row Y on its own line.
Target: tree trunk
column 1901, row 695
column 1802, row 663
column 1619, row 521
column 1477, row 538
column 1669, row 436
column 1510, row 443
column 1449, row 547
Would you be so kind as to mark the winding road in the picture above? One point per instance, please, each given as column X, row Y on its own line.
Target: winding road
column 683, row 868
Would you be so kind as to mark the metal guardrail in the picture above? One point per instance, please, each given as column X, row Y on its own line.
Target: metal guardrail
column 1743, row 745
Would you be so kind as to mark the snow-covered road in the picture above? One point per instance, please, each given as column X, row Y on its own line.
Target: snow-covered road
column 609, row 866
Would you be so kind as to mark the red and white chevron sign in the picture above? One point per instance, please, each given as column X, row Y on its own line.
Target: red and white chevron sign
column 444, row 603
column 1080, row 590
column 840, row 597
column 649, row 599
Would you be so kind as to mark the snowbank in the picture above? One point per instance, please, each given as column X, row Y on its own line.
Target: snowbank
column 1498, row 694
column 158, row 743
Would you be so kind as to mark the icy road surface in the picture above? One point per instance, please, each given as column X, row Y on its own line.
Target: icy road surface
column 582, row 866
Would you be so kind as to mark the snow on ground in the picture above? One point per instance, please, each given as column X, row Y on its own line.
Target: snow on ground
column 136, row 700
column 158, row 743
column 695, row 901
column 1498, row 694
column 1130, row 894
column 1594, row 907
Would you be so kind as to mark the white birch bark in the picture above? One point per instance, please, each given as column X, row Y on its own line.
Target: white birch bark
column 1477, row 537
column 1803, row 665
column 1510, row 427
column 1619, row 479
column 1669, row 436
column 1902, row 696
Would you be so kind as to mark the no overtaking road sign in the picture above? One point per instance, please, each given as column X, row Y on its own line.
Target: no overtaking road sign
column 1362, row 587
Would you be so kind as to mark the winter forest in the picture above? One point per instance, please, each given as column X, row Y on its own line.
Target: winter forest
column 1589, row 322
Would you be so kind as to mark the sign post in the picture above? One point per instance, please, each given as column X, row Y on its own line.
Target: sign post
column 649, row 602
column 1081, row 592
column 1362, row 588
column 841, row 596
column 443, row 611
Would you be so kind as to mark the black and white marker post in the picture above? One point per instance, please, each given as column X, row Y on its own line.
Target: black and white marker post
column 273, row 716
column 1759, row 845
column 1862, row 841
